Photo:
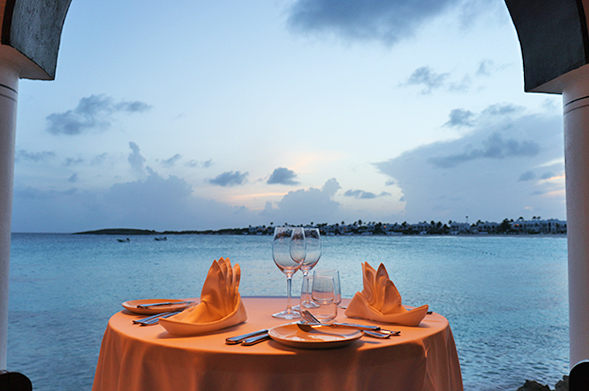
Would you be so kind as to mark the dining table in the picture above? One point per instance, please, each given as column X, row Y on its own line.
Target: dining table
column 139, row 358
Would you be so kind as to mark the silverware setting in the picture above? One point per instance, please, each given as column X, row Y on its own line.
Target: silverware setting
column 310, row 321
column 250, row 337
column 154, row 319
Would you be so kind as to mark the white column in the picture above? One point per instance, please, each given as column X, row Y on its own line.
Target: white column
column 576, row 133
column 8, row 99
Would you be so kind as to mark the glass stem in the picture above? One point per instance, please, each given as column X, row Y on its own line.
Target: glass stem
column 288, row 289
column 306, row 286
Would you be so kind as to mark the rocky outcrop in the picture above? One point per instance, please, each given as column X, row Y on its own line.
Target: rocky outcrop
column 532, row 385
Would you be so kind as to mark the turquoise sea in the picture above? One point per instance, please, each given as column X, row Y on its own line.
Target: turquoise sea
column 505, row 297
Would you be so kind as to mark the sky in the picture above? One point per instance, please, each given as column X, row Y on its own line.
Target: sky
column 218, row 114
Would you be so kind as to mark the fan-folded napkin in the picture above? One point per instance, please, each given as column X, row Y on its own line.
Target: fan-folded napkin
column 220, row 303
column 380, row 300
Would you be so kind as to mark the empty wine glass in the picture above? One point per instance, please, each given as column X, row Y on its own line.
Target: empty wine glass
column 313, row 253
column 288, row 252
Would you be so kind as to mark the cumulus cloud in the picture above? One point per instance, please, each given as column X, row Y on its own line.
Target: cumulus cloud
column 306, row 205
column 135, row 159
column 74, row 178
column 282, row 176
column 95, row 112
column 475, row 173
column 459, row 118
column 364, row 195
column 35, row 157
column 154, row 202
column 229, row 178
column 171, row 161
column 384, row 21
column 495, row 146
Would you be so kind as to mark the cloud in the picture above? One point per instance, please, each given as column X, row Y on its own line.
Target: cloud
column 495, row 146
column 35, row 157
column 475, row 173
column 384, row 21
column 305, row 206
column 95, row 112
column 171, row 161
column 527, row 176
column 135, row 159
column 154, row 202
column 195, row 163
column 459, row 118
column 547, row 175
column 430, row 80
column 282, row 176
column 74, row 178
column 99, row 159
column 70, row 161
column 486, row 66
column 426, row 77
column 229, row 178
column 501, row 109
column 364, row 195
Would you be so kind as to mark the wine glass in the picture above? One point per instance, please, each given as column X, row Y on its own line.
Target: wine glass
column 288, row 252
column 313, row 253
column 337, row 286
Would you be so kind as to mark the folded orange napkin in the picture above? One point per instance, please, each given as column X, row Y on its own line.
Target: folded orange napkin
column 380, row 300
column 220, row 303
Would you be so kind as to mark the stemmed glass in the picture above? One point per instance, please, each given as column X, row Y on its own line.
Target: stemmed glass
column 288, row 251
column 313, row 241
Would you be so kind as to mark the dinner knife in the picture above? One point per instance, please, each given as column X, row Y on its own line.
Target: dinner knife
column 146, row 306
column 240, row 338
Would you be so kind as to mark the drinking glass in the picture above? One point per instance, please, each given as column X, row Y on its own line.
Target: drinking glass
column 313, row 253
column 336, row 281
column 288, row 252
column 323, row 296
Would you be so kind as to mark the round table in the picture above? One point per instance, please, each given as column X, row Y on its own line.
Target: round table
column 134, row 357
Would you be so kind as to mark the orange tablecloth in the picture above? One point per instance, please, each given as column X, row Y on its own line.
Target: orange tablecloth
column 144, row 358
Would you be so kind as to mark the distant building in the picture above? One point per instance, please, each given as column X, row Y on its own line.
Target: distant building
column 459, row 228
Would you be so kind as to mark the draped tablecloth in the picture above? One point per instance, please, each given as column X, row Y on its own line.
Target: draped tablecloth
column 141, row 358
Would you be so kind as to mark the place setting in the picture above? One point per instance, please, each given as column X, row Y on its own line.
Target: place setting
column 293, row 248
column 312, row 325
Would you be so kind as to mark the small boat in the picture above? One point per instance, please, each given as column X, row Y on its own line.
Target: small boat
column 161, row 238
column 124, row 240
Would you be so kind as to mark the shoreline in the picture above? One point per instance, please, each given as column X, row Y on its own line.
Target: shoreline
column 244, row 231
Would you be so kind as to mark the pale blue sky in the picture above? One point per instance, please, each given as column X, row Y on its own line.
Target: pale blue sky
column 215, row 114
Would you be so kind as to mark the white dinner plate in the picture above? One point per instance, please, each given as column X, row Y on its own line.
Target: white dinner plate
column 131, row 305
column 323, row 337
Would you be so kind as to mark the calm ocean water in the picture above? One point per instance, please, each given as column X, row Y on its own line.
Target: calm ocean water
column 505, row 297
